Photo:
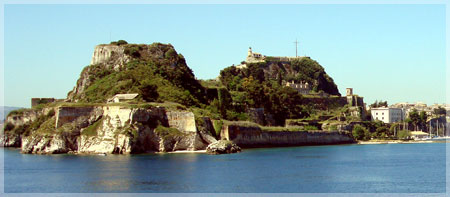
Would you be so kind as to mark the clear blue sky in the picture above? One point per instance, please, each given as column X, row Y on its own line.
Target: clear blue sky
column 385, row 52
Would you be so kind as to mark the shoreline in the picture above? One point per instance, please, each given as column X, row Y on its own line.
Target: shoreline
column 395, row 142
column 186, row 151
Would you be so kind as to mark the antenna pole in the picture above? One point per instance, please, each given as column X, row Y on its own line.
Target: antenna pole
column 296, row 43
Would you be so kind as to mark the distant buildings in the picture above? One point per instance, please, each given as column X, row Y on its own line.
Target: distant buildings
column 419, row 106
column 353, row 99
column 387, row 114
column 302, row 87
column 356, row 104
column 253, row 57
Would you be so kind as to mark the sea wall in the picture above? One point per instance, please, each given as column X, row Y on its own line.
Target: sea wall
column 249, row 136
column 69, row 114
column 182, row 120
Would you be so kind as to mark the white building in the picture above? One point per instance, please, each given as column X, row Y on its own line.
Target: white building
column 122, row 97
column 387, row 114
column 302, row 87
column 418, row 135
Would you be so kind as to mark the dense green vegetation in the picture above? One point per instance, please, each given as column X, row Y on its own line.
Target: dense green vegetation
column 46, row 128
column 119, row 42
column 304, row 69
column 26, row 129
column 403, row 134
column 280, row 101
column 164, row 77
column 417, row 119
column 361, row 133
column 260, row 85
column 217, row 127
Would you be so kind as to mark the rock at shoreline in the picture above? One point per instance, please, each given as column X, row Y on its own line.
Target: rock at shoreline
column 222, row 147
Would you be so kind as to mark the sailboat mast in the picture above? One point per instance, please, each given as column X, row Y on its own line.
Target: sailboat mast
column 429, row 129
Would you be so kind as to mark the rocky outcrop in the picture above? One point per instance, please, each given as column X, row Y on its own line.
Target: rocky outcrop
column 10, row 140
column 251, row 136
column 22, row 118
column 116, row 129
column 106, row 57
column 222, row 147
column 112, row 55
column 17, row 123
column 53, row 144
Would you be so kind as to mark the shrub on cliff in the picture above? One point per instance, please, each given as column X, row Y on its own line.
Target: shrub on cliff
column 148, row 90
column 119, row 42
column 167, row 132
column 92, row 129
column 217, row 124
column 133, row 50
column 171, row 53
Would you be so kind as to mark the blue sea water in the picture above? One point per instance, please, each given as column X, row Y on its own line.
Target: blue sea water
column 381, row 168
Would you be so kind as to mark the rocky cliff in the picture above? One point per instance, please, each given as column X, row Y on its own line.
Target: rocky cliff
column 252, row 136
column 18, row 123
column 112, row 55
column 106, row 57
column 137, row 68
column 106, row 129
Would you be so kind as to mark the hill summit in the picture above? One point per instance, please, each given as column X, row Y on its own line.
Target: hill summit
column 155, row 71
column 296, row 70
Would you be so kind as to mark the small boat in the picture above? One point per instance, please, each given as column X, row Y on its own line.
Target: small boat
column 101, row 154
column 444, row 138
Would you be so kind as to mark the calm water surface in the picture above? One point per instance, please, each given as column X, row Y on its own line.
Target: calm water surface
column 387, row 168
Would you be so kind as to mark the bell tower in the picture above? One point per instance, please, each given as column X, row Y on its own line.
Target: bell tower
column 349, row 91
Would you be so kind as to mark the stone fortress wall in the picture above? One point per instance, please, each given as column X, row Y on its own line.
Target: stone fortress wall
column 251, row 136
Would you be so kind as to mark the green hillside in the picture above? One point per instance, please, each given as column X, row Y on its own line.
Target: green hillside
column 157, row 72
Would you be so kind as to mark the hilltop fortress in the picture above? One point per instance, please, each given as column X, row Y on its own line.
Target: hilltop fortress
column 107, row 113
column 258, row 57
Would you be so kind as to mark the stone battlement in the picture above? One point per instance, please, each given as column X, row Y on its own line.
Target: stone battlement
column 258, row 57
column 37, row 101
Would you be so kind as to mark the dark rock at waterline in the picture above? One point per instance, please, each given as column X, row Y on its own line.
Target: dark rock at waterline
column 222, row 147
